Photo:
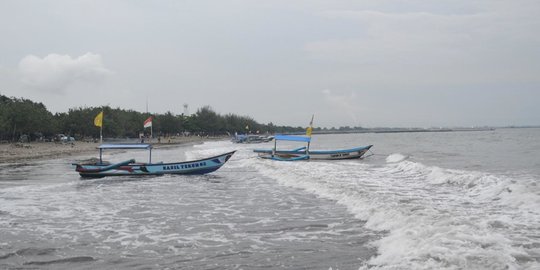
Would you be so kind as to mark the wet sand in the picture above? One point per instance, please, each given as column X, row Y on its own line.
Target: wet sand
column 20, row 152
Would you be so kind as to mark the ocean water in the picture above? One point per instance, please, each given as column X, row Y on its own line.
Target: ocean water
column 452, row 200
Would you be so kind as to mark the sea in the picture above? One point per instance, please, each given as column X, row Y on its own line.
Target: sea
column 427, row 200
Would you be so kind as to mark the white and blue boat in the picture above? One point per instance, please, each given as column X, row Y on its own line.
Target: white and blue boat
column 304, row 153
column 131, row 167
column 243, row 138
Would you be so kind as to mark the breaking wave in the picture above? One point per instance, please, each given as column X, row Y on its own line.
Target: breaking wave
column 393, row 158
column 429, row 217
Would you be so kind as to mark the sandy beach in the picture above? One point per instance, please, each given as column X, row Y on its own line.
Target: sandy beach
column 20, row 152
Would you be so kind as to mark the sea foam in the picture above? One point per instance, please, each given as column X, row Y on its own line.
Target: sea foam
column 430, row 217
column 393, row 158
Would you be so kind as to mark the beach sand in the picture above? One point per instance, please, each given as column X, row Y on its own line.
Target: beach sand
column 21, row 152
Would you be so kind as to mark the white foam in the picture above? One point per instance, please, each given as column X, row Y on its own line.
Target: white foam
column 393, row 158
column 428, row 217
column 434, row 217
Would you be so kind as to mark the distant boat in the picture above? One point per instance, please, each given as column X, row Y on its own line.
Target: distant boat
column 131, row 167
column 304, row 153
column 241, row 138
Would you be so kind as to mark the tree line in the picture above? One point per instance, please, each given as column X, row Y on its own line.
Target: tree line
column 23, row 117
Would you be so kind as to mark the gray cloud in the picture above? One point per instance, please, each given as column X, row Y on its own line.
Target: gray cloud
column 386, row 63
column 347, row 105
column 55, row 73
column 419, row 48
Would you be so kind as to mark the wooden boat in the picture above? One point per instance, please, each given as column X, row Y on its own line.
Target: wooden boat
column 241, row 138
column 304, row 153
column 131, row 167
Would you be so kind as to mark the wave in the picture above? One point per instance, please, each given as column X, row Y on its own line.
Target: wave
column 516, row 191
column 430, row 217
column 394, row 158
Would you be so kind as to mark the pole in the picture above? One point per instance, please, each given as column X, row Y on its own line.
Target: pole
column 275, row 146
column 310, row 131
column 151, row 133
column 101, row 127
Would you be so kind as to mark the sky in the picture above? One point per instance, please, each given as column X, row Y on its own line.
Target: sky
column 371, row 63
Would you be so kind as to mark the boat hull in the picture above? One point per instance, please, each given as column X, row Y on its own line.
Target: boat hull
column 353, row 153
column 250, row 139
column 130, row 168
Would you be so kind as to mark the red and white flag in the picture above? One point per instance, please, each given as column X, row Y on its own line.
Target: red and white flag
column 148, row 122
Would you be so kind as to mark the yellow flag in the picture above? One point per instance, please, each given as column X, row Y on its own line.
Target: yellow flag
column 308, row 131
column 310, row 128
column 98, row 121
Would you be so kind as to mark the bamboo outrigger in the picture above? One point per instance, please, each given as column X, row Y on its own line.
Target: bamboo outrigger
column 304, row 153
column 131, row 167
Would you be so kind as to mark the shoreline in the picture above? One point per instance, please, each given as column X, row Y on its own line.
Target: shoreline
column 23, row 152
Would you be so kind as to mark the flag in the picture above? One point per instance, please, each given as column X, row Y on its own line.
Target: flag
column 310, row 128
column 148, row 122
column 98, row 121
column 308, row 131
column 247, row 127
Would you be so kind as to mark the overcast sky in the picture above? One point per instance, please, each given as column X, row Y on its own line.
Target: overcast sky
column 357, row 63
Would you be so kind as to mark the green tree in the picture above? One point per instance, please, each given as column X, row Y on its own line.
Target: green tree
column 20, row 116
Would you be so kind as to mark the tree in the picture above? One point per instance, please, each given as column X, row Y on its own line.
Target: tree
column 169, row 124
column 21, row 116
column 209, row 122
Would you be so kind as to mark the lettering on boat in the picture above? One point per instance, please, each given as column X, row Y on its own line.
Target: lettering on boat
column 183, row 166
column 340, row 155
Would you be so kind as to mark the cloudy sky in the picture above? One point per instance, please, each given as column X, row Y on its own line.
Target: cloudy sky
column 368, row 63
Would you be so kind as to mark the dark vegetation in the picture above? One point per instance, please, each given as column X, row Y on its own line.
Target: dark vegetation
column 21, row 117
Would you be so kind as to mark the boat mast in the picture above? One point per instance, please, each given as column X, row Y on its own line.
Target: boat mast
column 101, row 128
column 308, row 133
column 151, row 132
column 275, row 146
column 101, row 134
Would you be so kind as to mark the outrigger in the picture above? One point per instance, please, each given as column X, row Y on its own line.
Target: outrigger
column 131, row 167
column 304, row 153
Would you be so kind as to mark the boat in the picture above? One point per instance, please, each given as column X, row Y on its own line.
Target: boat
column 242, row 138
column 131, row 167
column 304, row 153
